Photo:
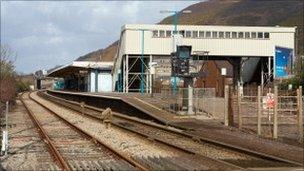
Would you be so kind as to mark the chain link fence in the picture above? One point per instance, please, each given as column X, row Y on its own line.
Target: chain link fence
column 185, row 101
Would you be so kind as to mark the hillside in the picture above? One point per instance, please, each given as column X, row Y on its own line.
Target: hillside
column 231, row 12
column 106, row 54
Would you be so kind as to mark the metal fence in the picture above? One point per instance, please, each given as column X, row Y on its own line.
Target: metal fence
column 185, row 101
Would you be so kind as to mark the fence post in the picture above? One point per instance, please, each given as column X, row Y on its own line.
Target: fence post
column 230, row 108
column 300, row 114
column 259, row 110
column 275, row 114
column 226, row 105
column 239, row 108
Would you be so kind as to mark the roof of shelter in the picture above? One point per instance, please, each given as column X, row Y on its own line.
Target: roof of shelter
column 78, row 66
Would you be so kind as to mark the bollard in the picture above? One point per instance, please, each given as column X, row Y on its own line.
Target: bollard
column 275, row 115
column 226, row 121
column 82, row 104
column 300, row 114
column 259, row 110
column 106, row 116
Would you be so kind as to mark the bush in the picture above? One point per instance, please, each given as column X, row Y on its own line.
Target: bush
column 22, row 86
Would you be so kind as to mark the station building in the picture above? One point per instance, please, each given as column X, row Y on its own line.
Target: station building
column 85, row 76
column 252, row 53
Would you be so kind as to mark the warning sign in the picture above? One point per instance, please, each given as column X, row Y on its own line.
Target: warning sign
column 270, row 100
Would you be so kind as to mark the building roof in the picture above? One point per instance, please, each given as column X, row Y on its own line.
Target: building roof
column 77, row 66
column 212, row 27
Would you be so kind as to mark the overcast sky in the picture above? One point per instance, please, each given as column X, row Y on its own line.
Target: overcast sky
column 46, row 34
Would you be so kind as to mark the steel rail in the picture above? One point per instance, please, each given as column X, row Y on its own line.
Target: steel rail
column 53, row 150
column 215, row 142
column 93, row 138
column 227, row 164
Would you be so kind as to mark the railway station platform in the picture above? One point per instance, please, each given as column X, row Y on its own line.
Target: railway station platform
column 208, row 129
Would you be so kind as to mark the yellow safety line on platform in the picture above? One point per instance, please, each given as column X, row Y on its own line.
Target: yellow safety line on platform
column 148, row 103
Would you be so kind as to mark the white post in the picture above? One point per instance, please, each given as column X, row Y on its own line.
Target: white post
column 190, row 98
column 5, row 133
column 259, row 110
column 275, row 115
column 226, row 105
column 300, row 114
column 124, row 74
column 269, row 68
column 239, row 108
column 262, row 75
column 127, row 73
column 150, row 76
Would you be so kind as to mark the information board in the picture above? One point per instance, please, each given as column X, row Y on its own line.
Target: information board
column 283, row 61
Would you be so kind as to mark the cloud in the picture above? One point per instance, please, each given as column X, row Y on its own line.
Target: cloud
column 49, row 33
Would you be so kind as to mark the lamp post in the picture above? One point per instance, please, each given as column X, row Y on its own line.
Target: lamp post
column 142, row 86
column 175, row 22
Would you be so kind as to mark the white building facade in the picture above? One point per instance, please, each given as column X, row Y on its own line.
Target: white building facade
column 155, row 43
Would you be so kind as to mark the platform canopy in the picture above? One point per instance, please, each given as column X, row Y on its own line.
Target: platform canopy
column 77, row 67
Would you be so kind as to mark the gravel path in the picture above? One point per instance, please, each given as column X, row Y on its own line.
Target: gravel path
column 26, row 149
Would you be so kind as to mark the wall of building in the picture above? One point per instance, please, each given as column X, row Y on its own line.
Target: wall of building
column 104, row 81
column 245, row 46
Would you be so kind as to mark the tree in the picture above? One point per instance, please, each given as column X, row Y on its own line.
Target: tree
column 7, row 74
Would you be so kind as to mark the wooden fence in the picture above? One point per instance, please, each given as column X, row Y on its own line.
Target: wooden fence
column 265, row 110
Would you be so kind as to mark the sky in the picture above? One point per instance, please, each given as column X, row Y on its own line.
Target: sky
column 48, row 33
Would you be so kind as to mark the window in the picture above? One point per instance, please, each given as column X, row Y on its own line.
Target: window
column 195, row 34
column 247, row 35
column 260, row 35
column 188, row 33
column 161, row 33
column 253, row 35
column 201, row 34
column 234, row 34
column 266, row 35
column 168, row 33
column 208, row 34
column 227, row 34
column 221, row 34
column 155, row 33
column 182, row 32
column 214, row 34
column 241, row 34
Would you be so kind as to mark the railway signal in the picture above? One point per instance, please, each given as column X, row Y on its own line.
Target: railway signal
column 180, row 61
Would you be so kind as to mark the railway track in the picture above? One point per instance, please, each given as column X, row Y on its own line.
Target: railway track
column 187, row 143
column 27, row 150
column 182, row 160
column 73, row 148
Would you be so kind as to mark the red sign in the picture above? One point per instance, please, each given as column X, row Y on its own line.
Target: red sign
column 270, row 100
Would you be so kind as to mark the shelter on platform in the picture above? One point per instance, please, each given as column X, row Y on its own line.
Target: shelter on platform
column 83, row 76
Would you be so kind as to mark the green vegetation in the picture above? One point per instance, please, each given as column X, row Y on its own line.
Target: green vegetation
column 22, row 86
column 10, row 82
column 296, row 81
column 7, row 74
